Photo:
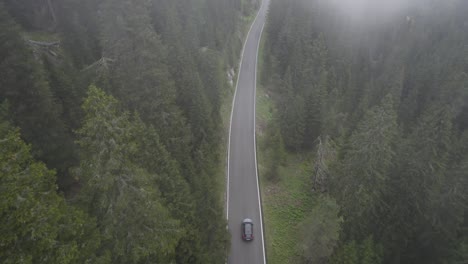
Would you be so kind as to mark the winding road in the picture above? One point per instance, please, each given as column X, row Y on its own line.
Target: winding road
column 243, row 197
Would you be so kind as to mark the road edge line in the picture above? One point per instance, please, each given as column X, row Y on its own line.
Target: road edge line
column 255, row 139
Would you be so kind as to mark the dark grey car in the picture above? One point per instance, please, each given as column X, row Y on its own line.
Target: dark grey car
column 247, row 229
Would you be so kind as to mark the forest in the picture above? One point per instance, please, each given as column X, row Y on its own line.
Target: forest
column 378, row 95
column 110, row 129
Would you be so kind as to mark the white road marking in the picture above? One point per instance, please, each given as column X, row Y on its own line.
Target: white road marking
column 255, row 145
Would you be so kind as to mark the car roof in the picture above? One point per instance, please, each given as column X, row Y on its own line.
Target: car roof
column 248, row 229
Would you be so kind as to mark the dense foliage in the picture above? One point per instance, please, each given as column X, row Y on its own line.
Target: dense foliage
column 119, row 103
column 381, row 97
column 37, row 224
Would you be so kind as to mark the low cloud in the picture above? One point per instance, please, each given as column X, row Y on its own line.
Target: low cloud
column 360, row 9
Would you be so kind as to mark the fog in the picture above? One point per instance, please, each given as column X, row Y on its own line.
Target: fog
column 362, row 9
column 357, row 6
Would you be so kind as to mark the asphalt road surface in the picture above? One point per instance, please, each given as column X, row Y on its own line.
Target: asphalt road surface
column 243, row 199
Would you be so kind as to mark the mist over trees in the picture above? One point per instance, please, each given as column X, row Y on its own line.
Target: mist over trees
column 111, row 129
column 383, row 86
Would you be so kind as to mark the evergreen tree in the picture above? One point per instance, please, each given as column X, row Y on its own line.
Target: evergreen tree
column 34, row 110
column 135, row 227
column 320, row 231
column 275, row 152
column 163, row 60
column 399, row 173
column 211, row 75
column 353, row 253
column 292, row 116
column 422, row 177
column 347, row 254
column 37, row 224
column 78, row 25
column 360, row 182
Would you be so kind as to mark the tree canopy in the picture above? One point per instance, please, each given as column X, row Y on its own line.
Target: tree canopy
column 386, row 83
column 115, row 116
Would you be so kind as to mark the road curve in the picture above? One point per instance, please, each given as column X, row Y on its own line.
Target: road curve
column 243, row 197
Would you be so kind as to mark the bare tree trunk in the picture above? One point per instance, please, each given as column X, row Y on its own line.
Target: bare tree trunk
column 43, row 44
column 325, row 155
column 102, row 63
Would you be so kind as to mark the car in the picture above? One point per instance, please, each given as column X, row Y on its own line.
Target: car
column 247, row 229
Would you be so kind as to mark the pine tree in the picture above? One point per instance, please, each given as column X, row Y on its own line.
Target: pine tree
column 352, row 252
column 422, row 176
column 134, row 225
column 399, row 173
column 292, row 116
column 214, row 86
column 347, row 254
column 361, row 179
column 37, row 224
column 33, row 108
column 320, row 231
